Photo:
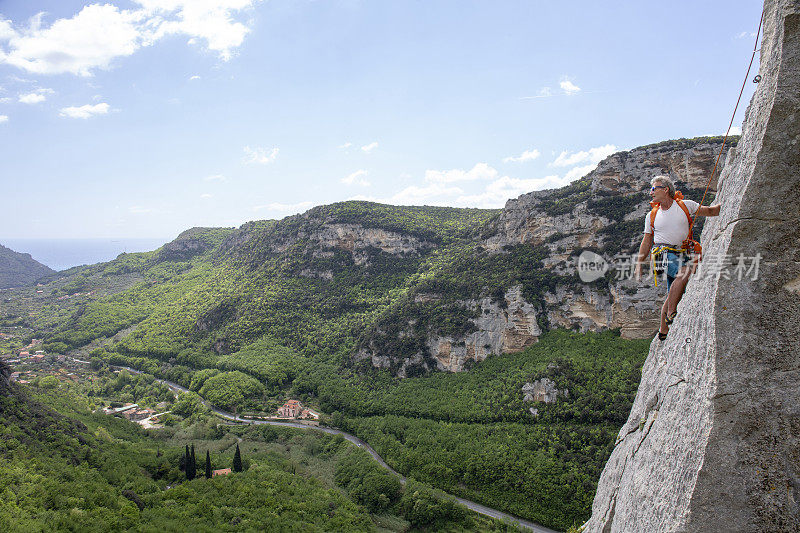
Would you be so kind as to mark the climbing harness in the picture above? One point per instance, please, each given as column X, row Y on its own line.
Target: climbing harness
column 656, row 255
column 688, row 247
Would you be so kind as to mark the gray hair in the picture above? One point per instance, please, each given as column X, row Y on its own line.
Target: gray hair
column 666, row 181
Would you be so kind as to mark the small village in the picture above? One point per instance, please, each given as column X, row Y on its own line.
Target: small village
column 31, row 363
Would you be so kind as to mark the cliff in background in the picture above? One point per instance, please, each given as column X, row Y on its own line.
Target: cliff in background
column 712, row 440
column 411, row 289
column 519, row 276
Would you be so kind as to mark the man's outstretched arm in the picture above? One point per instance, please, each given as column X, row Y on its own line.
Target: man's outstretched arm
column 708, row 210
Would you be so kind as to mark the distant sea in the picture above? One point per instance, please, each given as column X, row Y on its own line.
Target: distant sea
column 60, row 254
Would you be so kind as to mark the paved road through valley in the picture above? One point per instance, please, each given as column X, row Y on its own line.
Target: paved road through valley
column 478, row 508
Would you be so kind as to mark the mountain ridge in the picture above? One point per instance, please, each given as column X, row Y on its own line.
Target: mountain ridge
column 18, row 269
column 449, row 285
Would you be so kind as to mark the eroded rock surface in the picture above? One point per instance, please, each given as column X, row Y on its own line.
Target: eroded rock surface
column 542, row 391
column 509, row 328
column 713, row 438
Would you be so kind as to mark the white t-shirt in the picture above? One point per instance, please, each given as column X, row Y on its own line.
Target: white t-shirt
column 672, row 226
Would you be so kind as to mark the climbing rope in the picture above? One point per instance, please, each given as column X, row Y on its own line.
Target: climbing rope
column 757, row 79
column 746, row 76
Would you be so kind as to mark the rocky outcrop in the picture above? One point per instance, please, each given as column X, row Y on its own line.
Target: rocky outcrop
column 712, row 440
column 535, row 217
column 599, row 212
column 507, row 328
column 587, row 214
column 188, row 244
column 542, row 391
column 360, row 241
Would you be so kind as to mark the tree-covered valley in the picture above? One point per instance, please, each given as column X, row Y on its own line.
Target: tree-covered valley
column 417, row 329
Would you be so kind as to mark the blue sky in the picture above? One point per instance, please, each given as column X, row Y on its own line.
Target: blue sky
column 144, row 118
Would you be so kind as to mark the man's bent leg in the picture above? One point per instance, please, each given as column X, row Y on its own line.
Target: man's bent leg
column 663, row 328
column 676, row 289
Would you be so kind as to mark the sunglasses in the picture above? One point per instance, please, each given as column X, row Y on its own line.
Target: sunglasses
column 654, row 187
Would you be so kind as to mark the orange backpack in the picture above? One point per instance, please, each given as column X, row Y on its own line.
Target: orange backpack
column 689, row 245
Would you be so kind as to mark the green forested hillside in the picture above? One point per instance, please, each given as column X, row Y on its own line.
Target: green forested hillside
column 18, row 269
column 248, row 317
column 471, row 434
column 64, row 468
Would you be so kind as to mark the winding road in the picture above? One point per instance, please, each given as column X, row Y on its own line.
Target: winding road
column 478, row 508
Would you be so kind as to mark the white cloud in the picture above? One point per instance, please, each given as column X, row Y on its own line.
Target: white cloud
column 369, row 147
column 544, row 92
column 357, row 178
column 138, row 209
column 284, row 208
column 215, row 177
column 440, row 188
column 345, row 146
column 577, row 172
column 84, row 111
column 445, row 187
column 6, row 30
column 98, row 34
column 735, row 130
column 90, row 39
column 500, row 190
column 527, row 155
column 569, row 88
column 415, row 195
column 3, row 118
column 364, row 198
column 745, row 34
column 480, row 171
column 210, row 20
column 593, row 155
column 32, row 98
column 261, row 156
column 5, row 100
column 194, row 78
column 35, row 97
column 206, row 195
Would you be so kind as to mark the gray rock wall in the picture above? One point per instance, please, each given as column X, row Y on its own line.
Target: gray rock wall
column 713, row 438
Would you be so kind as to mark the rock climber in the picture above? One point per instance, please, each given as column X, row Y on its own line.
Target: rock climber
column 667, row 236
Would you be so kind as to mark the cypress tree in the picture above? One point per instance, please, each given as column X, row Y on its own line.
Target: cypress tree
column 208, row 465
column 185, row 459
column 237, row 460
column 191, row 466
column 194, row 464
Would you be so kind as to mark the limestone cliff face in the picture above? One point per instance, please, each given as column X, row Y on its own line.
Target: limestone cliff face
column 357, row 240
column 602, row 211
column 323, row 237
column 501, row 327
column 610, row 196
column 532, row 219
column 713, row 436
column 509, row 328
